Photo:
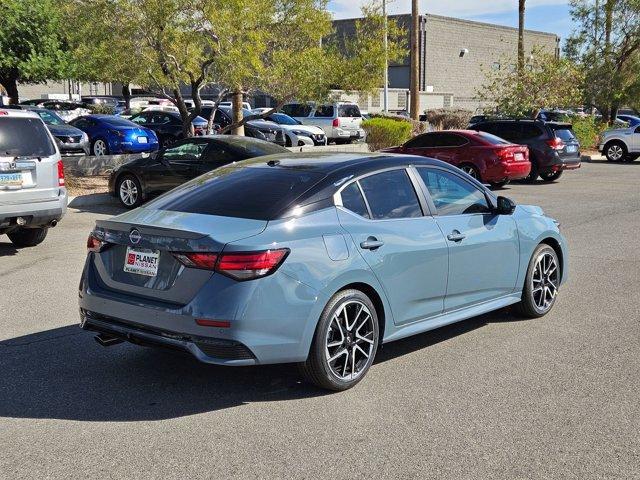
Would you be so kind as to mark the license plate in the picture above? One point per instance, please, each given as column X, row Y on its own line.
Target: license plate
column 572, row 149
column 142, row 262
column 518, row 157
column 11, row 179
column 142, row 139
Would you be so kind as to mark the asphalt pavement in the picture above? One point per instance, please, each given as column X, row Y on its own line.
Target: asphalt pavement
column 492, row 397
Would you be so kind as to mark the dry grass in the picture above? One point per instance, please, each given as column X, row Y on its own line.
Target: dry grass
column 80, row 185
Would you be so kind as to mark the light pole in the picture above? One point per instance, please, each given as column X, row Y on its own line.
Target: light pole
column 385, row 94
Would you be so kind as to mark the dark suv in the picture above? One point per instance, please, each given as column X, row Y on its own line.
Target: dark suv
column 553, row 148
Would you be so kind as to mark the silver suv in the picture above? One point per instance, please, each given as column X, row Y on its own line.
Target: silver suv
column 33, row 196
column 340, row 120
column 620, row 144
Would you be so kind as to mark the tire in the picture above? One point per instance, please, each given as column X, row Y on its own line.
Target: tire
column 28, row 237
column 615, row 151
column 498, row 185
column 633, row 157
column 100, row 148
column 287, row 141
column 533, row 174
column 551, row 176
column 334, row 335
column 470, row 170
column 532, row 304
column 129, row 191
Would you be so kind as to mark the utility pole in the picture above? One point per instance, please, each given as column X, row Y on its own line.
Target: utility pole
column 385, row 94
column 415, row 67
column 521, row 10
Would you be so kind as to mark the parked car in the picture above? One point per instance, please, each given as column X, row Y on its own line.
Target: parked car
column 135, row 182
column 485, row 157
column 110, row 134
column 316, row 259
column 260, row 129
column 65, row 109
column 296, row 134
column 553, row 147
column 245, row 105
column 340, row 121
column 631, row 120
column 620, row 144
column 167, row 125
column 33, row 196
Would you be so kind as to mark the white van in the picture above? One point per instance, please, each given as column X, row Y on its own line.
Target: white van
column 33, row 196
column 340, row 120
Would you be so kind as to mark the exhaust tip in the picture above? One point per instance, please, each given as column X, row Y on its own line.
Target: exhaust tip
column 107, row 340
column 53, row 223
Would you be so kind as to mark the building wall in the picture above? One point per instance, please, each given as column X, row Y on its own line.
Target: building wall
column 41, row 90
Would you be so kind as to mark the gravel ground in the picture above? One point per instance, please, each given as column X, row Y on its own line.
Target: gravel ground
column 492, row 397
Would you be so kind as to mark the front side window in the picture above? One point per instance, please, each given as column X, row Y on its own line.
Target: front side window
column 353, row 200
column 391, row 195
column 453, row 195
column 189, row 151
column 324, row 111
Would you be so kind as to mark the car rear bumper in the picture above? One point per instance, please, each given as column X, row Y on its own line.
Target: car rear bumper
column 129, row 147
column 504, row 171
column 36, row 214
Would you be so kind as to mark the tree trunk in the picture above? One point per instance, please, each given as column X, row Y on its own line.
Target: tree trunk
column 126, row 94
column 10, row 84
column 236, row 116
column 221, row 94
column 415, row 66
column 608, row 25
column 521, row 10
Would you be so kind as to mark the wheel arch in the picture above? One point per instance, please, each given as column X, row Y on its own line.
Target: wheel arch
column 555, row 244
column 132, row 173
column 375, row 298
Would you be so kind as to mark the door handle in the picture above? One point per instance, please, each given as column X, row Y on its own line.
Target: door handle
column 456, row 236
column 371, row 243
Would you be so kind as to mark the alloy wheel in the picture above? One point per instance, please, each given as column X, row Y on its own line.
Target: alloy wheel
column 128, row 192
column 615, row 152
column 99, row 148
column 350, row 342
column 544, row 281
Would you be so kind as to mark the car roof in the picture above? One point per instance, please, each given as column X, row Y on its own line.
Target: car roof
column 14, row 112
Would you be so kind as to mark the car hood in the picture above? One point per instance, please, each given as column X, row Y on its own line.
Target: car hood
column 263, row 125
column 303, row 128
column 64, row 130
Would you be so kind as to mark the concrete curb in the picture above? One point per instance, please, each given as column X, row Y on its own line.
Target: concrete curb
column 92, row 200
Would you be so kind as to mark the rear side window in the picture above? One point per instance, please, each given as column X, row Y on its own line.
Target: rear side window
column 324, row 111
column 250, row 192
column 492, row 139
column 348, row 111
column 508, row 131
column 297, row 110
column 530, row 131
column 565, row 134
column 353, row 200
column 24, row 137
column 391, row 195
column 449, row 140
column 426, row 140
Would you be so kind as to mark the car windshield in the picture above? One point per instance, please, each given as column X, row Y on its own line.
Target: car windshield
column 118, row 122
column 283, row 119
column 266, row 192
column 49, row 117
column 24, row 137
column 565, row 134
column 492, row 139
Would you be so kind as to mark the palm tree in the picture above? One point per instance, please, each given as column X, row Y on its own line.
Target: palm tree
column 521, row 10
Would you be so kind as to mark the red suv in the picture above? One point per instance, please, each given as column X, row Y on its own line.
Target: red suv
column 485, row 157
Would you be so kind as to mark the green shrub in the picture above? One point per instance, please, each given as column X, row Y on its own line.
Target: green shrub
column 448, row 118
column 417, row 127
column 101, row 108
column 587, row 130
column 386, row 132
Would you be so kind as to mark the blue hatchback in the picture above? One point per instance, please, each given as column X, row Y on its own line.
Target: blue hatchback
column 110, row 134
column 316, row 259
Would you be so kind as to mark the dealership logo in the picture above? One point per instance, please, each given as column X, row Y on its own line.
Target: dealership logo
column 135, row 236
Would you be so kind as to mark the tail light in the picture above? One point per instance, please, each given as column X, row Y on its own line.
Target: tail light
column 60, row 173
column 336, row 122
column 505, row 154
column 556, row 143
column 94, row 244
column 237, row 265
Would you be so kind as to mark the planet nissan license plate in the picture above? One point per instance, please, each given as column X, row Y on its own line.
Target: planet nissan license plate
column 142, row 262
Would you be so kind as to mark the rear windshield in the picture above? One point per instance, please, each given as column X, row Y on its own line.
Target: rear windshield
column 492, row 139
column 565, row 134
column 348, row 111
column 24, row 137
column 260, row 193
column 118, row 122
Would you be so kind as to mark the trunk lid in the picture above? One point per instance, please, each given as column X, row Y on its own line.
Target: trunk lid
column 150, row 231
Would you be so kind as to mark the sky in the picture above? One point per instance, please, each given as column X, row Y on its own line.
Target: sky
column 544, row 15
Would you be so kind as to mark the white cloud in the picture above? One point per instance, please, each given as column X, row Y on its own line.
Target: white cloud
column 451, row 8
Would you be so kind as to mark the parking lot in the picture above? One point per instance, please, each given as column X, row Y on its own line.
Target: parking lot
column 492, row 397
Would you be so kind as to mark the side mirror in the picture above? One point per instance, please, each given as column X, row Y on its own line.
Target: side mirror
column 506, row 206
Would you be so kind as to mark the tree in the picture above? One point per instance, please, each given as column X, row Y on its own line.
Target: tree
column 607, row 53
column 31, row 44
column 546, row 82
column 521, row 11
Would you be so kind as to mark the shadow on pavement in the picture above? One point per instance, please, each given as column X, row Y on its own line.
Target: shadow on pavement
column 7, row 248
column 63, row 374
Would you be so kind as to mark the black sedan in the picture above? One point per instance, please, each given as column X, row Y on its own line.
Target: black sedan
column 138, row 180
column 167, row 125
column 261, row 129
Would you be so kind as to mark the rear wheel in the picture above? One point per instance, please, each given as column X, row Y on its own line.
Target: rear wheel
column 345, row 342
column 28, row 237
column 615, row 151
column 129, row 191
column 541, row 283
column 498, row 185
column 533, row 174
column 100, row 148
column 551, row 176
column 470, row 170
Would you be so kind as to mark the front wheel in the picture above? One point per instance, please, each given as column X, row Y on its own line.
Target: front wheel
column 345, row 342
column 551, row 176
column 541, row 283
column 615, row 151
column 28, row 237
column 129, row 191
column 100, row 148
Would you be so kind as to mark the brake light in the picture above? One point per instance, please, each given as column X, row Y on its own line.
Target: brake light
column 237, row 265
column 203, row 322
column 336, row 122
column 556, row 143
column 505, row 154
column 60, row 173
column 94, row 244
